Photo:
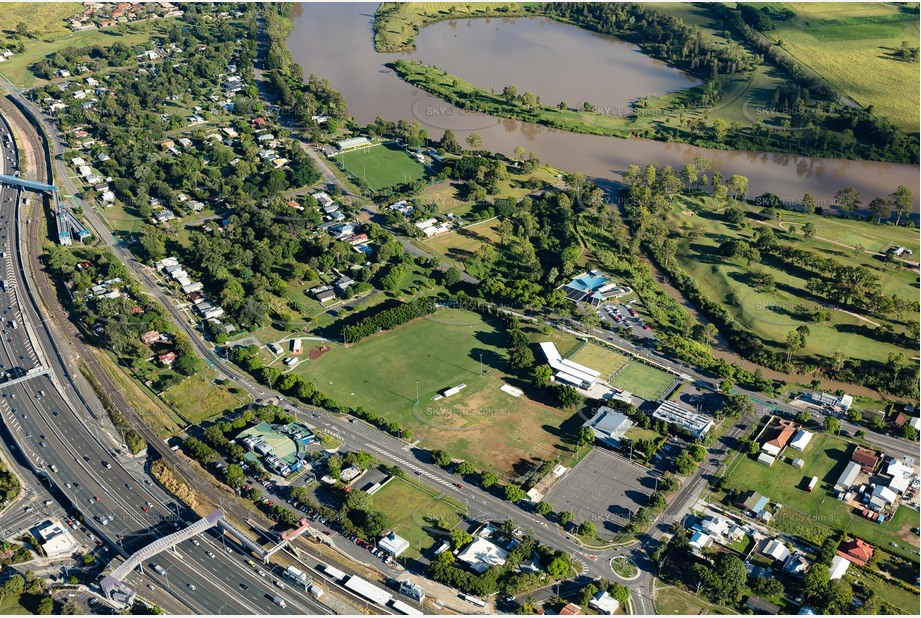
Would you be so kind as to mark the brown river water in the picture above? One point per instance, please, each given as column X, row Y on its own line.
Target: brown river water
column 557, row 62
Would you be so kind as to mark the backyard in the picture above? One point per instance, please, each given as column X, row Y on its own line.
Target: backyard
column 397, row 373
column 414, row 511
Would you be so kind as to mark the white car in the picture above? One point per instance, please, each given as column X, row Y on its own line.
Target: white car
column 191, row 586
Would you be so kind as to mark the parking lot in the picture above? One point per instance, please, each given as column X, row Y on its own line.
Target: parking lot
column 604, row 489
column 624, row 319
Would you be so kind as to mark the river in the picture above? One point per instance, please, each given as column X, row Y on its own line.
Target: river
column 334, row 40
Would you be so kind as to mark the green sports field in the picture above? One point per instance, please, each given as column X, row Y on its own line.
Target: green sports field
column 601, row 359
column 643, row 381
column 382, row 166
column 481, row 423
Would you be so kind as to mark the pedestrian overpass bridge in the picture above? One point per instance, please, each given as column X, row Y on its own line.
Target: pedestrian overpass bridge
column 29, row 185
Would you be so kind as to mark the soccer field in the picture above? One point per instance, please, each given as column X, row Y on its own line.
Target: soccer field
column 643, row 381
column 481, row 423
column 382, row 166
column 601, row 359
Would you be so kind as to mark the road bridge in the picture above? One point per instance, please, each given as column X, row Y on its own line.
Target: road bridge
column 29, row 185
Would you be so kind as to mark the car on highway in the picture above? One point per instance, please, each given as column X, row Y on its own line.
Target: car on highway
column 211, row 554
column 151, row 587
column 106, row 465
column 244, row 586
column 458, row 485
column 129, row 486
column 191, row 586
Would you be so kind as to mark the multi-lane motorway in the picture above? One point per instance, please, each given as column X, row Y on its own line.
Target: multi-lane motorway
column 61, row 434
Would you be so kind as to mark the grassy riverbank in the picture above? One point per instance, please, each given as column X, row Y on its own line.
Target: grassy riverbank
column 396, row 24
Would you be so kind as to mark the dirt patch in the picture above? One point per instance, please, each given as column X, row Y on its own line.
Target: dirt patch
column 317, row 352
column 687, row 213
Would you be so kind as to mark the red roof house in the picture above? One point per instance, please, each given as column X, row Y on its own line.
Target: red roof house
column 167, row 359
column 856, row 551
column 866, row 458
column 570, row 609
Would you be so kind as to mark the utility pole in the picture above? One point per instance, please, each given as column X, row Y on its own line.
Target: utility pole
column 417, row 392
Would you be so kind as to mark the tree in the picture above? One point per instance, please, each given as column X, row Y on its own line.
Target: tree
column 510, row 93
column 685, row 464
column 488, row 479
column 753, row 447
column 731, row 575
column 767, row 586
column 566, row 517
column 459, row 538
column 619, row 592
column 234, row 476
column 452, row 277
column 848, row 199
column 567, row 396
column 45, row 606
column 901, row 202
column 442, row 458
column 14, row 586
column 809, row 204
column 543, row 508
column 808, row 230
column 587, row 528
column 832, row 424
column 465, row 467
column 816, row 580
column 71, row 608
column 558, row 568
column 540, row 376
column 854, row 416
column 880, row 207
column 586, row 436
column 514, row 493
column 838, row 596
column 474, row 140
column 697, row 452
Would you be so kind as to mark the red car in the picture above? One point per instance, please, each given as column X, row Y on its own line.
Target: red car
column 458, row 485
column 98, row 543
column 645, row 326
column 145, row 509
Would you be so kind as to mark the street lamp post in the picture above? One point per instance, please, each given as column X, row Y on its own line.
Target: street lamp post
column 417, row 392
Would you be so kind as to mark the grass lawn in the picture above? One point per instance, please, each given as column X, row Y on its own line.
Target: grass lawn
column 808, row 513
column 623, row 567
column 122, row 218
column 43, row 19
column 772, row 314
column 382, row 165
column 643, row 381
column 198, row 399
column 850, row 45
column 461, row 245
column 670, row 600
column 482, row 424
column 601, row 359
column 19, row 605
column 904, row 600
column 638, row 433
column 415, row 510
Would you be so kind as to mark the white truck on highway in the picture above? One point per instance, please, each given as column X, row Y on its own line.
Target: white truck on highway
column 280, row 602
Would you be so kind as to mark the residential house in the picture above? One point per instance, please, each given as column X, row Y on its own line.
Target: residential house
column 760, row 606
column 783, row 433
column 150, row 337
column 776, row 550
column 801, row 440
column 604, row 603
column 570, row 609
column 751, row 501
column 167, row 359
column 838, row 568
column 867, row 459
column 856, row 550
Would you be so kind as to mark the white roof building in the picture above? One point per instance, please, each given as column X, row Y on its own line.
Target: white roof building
column 700, row 540
column 670, row 412
column 801, row 440
column 393, row 544
column 56, row 539
column 566, row 370
column 776, row 550
column 482, row 554
column 604, row 603
column 838, row 568
column 715, row 526
column 849, row 475
column 609, row 425
column 884, row 493
column 769, row 449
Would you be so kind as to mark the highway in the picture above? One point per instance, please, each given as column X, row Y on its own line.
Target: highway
column 52, row 424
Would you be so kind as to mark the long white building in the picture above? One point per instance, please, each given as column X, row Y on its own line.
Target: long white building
column 568, row 371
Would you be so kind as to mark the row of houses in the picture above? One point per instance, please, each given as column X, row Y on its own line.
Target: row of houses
column 876, row 483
